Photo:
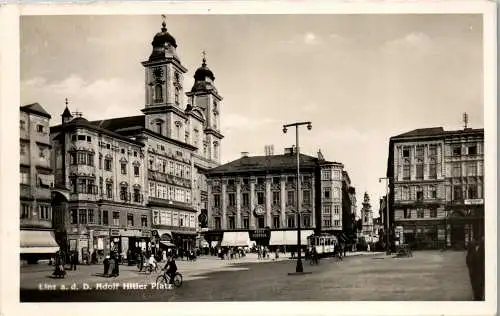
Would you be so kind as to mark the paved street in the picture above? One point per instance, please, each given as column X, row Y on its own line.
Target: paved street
column 430, row 275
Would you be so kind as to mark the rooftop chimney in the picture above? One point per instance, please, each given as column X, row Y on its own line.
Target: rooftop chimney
column 244, row 154
column 289, row 150
column 269, row 150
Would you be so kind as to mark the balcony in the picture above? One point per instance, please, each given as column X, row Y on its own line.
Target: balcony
column 168, row 178
column 33, row 222
column 83, row 197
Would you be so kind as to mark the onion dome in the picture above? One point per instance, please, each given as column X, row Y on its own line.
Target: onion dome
column 203, row 72
column 161, row 43
column 203, row 78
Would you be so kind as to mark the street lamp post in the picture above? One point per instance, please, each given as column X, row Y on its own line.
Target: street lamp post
column 299, row 268
column 387, row 211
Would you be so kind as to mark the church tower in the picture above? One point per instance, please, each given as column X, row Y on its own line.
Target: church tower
column 164, row 110
column 205, row 98
column 367, row 216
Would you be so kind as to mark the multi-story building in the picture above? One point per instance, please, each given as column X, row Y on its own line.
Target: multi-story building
column 255, row 198
column 180, row 142
column 37, row 180
column 104, row 174
column 431, row 171
column 348, row 210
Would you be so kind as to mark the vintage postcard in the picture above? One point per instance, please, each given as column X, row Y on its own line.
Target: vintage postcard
column 299, row 156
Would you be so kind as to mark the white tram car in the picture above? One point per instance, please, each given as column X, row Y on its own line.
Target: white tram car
column 325, row 244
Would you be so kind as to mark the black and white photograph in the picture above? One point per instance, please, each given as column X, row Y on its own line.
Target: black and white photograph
column 211, row 156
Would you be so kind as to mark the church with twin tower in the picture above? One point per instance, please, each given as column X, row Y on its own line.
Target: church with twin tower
column 146, row 187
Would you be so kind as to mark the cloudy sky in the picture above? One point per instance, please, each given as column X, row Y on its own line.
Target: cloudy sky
column 359, row 78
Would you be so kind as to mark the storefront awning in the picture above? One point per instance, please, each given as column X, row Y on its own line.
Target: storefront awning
column 167, row 243
column 164, row 234
column 288, row 237
column 235, row 239
column 38, row 241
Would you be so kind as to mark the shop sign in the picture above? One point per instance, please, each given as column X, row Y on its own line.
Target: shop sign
column 473, row 201
column 146, row 233
column 129, row 233
column 101, row 233
column 115, row 232
column 260, row 233
column 84, row 243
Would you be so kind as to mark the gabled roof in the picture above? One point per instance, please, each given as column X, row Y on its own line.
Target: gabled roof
column 266, row 164
column 35, row 108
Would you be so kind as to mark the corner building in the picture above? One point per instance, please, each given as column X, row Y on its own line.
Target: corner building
column 37, row 238
column 254, row 200
column 436, row 186
column 178, row 142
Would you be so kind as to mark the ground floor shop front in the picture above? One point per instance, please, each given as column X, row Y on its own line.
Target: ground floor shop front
column 36, row 244
column 93, row 244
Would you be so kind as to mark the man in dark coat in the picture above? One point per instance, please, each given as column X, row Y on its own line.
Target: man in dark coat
column 475, row 265
column 74, row 260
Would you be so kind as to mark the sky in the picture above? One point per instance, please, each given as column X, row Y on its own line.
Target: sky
column 359, row 79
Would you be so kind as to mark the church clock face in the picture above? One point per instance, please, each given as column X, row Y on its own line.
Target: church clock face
column 158, row 73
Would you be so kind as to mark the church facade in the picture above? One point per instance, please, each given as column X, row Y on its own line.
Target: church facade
column 166, row 152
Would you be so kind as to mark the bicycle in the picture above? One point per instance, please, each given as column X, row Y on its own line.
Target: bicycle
column 164, row 279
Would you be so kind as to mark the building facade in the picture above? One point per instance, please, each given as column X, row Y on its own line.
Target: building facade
column 175, row 143
column 348, row 210
column 36, row 182
column 429, row 186
column 254, row 199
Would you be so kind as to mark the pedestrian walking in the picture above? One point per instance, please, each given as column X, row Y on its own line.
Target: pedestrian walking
column 106, row 266
column 475, row 265
column 74, row 260
column 116, row 269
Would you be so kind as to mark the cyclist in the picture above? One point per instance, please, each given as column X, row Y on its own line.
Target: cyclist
column 170, row 269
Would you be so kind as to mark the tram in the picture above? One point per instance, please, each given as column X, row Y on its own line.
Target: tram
column 325, row 244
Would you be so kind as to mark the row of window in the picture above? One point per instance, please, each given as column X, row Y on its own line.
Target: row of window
column 44, row 180
column 470, row 168
column 87, row 138
column 327, row 223
column 419, row 151
column 421, row 213
column 276, row 198
column 419, row 170
column 39, row 128
column 43, row 151
column 87, row 186
column 44, row 211
column 169, row 192
column 172, row 218
column 431, row 193
column 327, row 209
column 171, row 167
column 101, row 217
column 274, row 180
column 261, row 222
column 327, row 175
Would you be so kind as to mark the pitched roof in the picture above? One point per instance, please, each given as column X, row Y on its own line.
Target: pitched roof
column 422, row 132
column 120, row 123
column 266, row 163
column 35, row 108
